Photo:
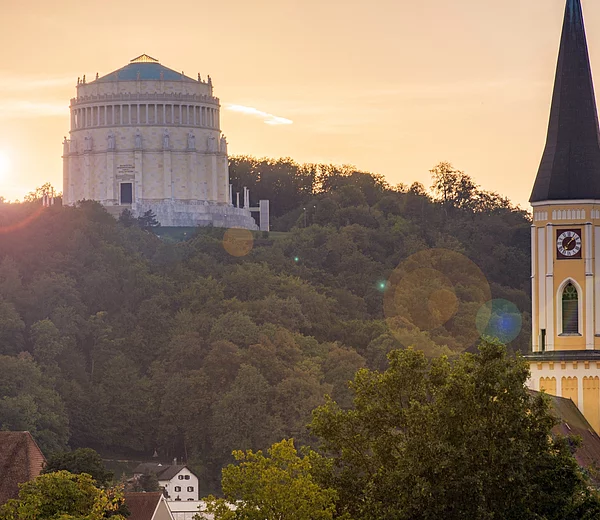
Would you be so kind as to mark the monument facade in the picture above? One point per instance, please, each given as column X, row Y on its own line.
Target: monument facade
column 146, row 137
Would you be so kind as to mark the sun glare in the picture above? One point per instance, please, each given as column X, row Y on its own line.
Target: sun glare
column 4, row 164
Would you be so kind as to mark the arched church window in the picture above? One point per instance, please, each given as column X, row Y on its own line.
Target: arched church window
column 570, row 310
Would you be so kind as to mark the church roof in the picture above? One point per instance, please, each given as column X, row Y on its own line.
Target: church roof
column 144, row 67
column 570, row 166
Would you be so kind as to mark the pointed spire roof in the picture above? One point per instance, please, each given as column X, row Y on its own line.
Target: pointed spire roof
column 570, row 166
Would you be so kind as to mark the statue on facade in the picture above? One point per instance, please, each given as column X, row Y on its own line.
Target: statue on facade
column 166, row 139
column 191, row 141
column 88, row 143
column 66, row 147
column 83, row 79
column 199, row 78
column 223, row 144
column 212, row 144
column 138, row 140
column 111, row 141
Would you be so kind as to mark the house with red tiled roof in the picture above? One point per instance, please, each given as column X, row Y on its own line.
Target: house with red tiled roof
column 21, row 460
column 147, row 506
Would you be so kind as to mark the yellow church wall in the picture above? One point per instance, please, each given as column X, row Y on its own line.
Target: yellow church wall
column 569, row 388
column 548, row 385
column 575, row 380
column 577, row 214
column 591, row 401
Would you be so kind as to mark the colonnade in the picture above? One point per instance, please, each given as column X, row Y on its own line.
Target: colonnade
column 144, row 114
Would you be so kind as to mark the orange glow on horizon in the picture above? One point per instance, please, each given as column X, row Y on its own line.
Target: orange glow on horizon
column 390, row 87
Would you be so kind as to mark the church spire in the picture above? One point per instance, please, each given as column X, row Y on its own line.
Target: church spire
column 570, row 166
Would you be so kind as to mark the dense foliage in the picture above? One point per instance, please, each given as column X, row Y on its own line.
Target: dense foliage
column 81, row 460
column 62, row 495
column 279, row 485
column 431, row 439
column 116, row 339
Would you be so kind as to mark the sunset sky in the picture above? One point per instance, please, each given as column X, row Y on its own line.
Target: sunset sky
column 390, row 86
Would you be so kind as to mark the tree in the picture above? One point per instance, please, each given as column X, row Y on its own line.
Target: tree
column 148, row 220
column 82, row 460
column 434, row 439
column 272, row 488
column 28, row 402
column 63, row 496
column 147, row 482
column 126, row 218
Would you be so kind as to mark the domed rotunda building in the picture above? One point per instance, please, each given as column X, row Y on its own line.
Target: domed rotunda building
column 146, row 137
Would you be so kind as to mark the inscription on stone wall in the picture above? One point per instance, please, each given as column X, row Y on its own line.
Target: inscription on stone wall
column 124, row 169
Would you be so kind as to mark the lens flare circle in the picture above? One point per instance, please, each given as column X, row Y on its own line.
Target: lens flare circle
column 10, row 225
column 437, row 290
column 499, row 319
column 238, row 241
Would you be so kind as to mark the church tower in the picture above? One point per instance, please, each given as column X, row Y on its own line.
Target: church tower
column 565, row 235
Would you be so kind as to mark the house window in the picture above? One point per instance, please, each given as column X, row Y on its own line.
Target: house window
column 190, row 489
column 570, row 310
column 126, row 193
column 177, row 488
column 180, row 477
column 187, row 477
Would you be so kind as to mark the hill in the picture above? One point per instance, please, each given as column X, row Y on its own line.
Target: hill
column 113, row 338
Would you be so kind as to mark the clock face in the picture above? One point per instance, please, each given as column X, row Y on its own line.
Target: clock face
column 568, row 243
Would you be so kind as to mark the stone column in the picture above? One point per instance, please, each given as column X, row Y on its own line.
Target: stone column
column 597, row 280
column 215, row 178
column 193, row 185
column 167, row 176
column 86, row 176
column 589, row 288
column 110, row 176
column 534, row 295
column 138, row 159
column 550, row 287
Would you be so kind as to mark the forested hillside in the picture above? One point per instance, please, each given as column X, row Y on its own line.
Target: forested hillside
column 114, row 338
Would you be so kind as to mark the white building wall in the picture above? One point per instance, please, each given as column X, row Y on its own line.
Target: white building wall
column 184, row 486
column 164, row 138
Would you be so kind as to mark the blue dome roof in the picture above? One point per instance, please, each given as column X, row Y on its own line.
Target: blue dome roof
column 144, row 67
